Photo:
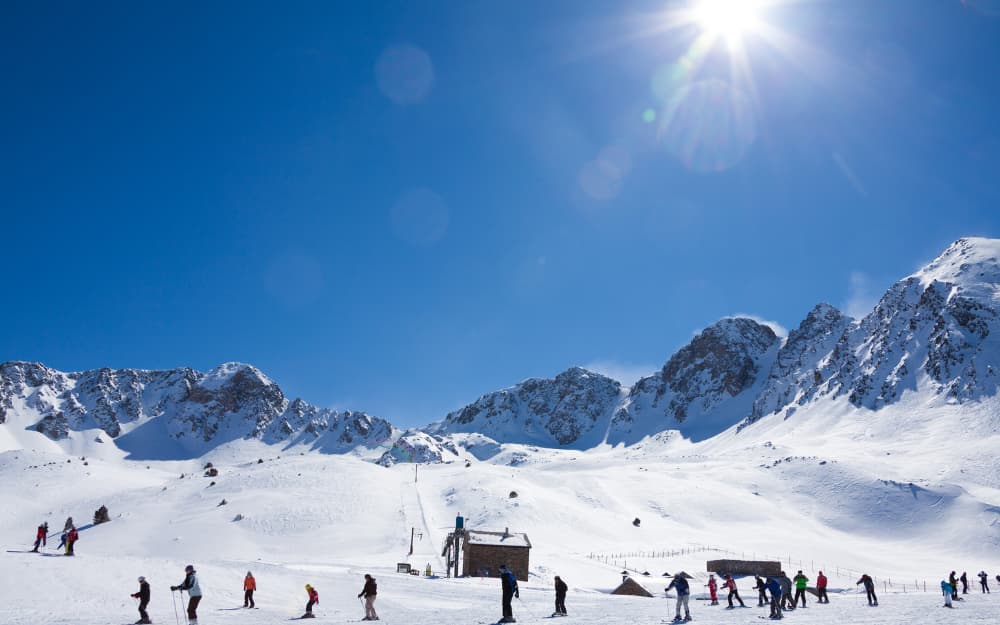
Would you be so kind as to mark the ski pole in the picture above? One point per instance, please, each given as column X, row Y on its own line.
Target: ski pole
column 176, row 618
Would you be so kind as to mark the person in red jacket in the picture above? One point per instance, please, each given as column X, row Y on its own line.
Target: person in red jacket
column 249, row 585
column 730, row 583
column 71, row 538
column 40, row 535
column 313, row 600
column 821, row 596
column 713, row 590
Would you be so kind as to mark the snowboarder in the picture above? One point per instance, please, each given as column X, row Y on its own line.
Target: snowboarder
column 369, row 592
column 249, row 586
column 683, row 594
column 71, row 537
column 869, row 588
column 190, row 584
column 713, row 590
column 313, row 600
column 821, row 596
column 800, row 589
column 965, row 583
column 561, row 589
column 143, row 597
column 508, row 585
column 953, row 582
column 786, row 592
column 40, row 535
column 761, row 589
column 730, row 584
column 774, row 585
column 946, row 590
column 984, row 581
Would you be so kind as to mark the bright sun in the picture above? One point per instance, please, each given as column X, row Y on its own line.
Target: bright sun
column 729, row 19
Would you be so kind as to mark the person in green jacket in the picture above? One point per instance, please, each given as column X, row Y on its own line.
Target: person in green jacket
column 800, row 588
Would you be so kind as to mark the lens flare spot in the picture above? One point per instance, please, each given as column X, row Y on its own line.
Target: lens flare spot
column 404, row 74
column 420, row 217
column 649, row 116
column 709, row 126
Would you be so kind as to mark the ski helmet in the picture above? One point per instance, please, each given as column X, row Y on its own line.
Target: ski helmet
column 189, row 568
column 141, row 579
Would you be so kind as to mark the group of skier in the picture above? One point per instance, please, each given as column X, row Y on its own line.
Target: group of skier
column 949, row 587
column 775, row 592
column 67, row 540
column 191, row 586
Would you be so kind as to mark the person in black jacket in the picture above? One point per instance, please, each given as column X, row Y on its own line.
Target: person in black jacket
column 954, row 586
column 965, row 583
column 761, row 589
column 561, row 589
column 508, row 584
column 869, row 583
column 143, row 597
column 369, row 592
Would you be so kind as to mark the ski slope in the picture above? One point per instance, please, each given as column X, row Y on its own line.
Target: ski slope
column 841, row 500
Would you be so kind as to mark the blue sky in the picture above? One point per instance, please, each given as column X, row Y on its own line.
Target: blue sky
column 397, row 207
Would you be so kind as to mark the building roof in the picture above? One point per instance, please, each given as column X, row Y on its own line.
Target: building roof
column 498, row 539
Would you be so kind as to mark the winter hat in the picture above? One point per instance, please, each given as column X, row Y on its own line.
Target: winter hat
column 249, row 574
column 189, row 568
column 141, row 579
column 308, row 587
column 367, row 576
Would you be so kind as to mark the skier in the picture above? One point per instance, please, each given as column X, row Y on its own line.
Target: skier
column 62, row 541
column 774, row 585
column 683, row 594
column 369, row 592
column 313, row 600
column 946, row 590
column 984, row 581
column 800, row 588
column 40, row 535
column 869, row 588
column 143, row 597
column 190, row 584
column 730, row 583
column 508, row 585
column 786, row 592
column 71, row 537
column 821, row 596
column 249, row 586
column 712, row 590
column 953, row 582
column 561, row 589
column 761, row 589
column 965, row 583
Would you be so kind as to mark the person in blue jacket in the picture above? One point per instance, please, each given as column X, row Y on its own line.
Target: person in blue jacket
column 680, row 583
column 508, row 584
column 946, row 590
column 774, row 587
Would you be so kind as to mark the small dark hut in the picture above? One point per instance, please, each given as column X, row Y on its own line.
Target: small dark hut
column 484, row 552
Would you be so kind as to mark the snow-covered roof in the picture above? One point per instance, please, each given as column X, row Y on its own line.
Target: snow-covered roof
column 499, row 539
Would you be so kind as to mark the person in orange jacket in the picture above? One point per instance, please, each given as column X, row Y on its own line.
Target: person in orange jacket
column 313, row 600
column 249, row 585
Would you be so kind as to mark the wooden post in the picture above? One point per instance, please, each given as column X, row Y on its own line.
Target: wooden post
column 412, row 530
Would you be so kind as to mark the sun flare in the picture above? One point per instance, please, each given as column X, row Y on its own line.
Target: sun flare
column 728, row 19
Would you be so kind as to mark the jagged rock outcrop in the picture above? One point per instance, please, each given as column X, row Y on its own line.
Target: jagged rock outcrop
column 706, row 386
column 571, row 409
column 196, row 411
column 419, row 447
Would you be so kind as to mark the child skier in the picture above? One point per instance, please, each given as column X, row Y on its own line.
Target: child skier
column 143, row 597
column 946, row 590
column 713, row 590
column 761, row 589
column 683, row 594
column 313, row 600
column 249, row 585
column 190, row 584
column 369, row 592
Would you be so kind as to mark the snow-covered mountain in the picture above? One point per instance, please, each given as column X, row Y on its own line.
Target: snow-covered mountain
column 933, row 335
column 176, row 413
